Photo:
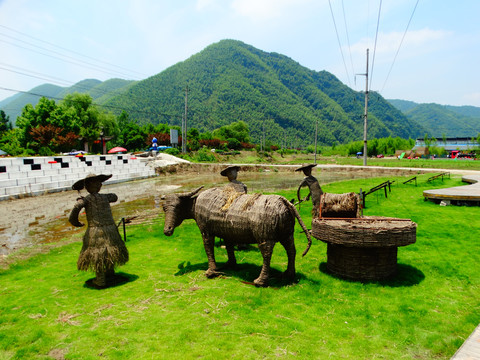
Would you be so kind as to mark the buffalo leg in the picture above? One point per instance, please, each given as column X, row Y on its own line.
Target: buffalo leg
column 289, row 246
column 266, row 248
column 232, row 261
column 208, row 242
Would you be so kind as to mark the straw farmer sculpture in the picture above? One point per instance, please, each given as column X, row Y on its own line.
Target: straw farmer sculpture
column 231, row 173
column 315, row 191
column 103, row 248
column 238, row 219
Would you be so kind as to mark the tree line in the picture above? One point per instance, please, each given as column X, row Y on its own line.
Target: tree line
column 50, row 128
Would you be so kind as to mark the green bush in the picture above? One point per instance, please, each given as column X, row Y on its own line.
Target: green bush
column 172, row 151
column 204, row 155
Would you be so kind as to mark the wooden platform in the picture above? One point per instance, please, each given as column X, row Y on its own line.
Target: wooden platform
column 467, row 193
column 470, row 350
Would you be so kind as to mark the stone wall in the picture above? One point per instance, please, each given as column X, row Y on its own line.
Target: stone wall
column 31, row 176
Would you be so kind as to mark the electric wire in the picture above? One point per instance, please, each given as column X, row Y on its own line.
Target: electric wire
column 72, row 51
column 375, row 45
column 52, row 79
column 74, row 62
column 339, row 43
column 56, row 81
column 401, row 42
column 348, row 38
column 156, row 113
column 33, row 76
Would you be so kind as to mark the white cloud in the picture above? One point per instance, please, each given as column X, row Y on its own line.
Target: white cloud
column 414, row 41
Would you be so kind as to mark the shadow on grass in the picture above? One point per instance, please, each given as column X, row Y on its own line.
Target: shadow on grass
column 246, row 272
column 119, row 279
column 406, row 275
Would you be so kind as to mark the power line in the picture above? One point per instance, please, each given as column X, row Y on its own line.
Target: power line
column 375, row 46
column 72, row 51
column 51, row 79
column 103, row 106
column 348, row 38
column 339, row 44
column 21, row 73
column 75, row 62
column 401, row 42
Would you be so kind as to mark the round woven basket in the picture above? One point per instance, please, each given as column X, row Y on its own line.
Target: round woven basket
column 361, row 263
column 363, row 248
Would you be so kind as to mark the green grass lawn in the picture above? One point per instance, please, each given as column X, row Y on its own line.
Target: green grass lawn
column 169, row 310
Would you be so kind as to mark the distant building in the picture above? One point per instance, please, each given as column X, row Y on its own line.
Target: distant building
column 450, row 144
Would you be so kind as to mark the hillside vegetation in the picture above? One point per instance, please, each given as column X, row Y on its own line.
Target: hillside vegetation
column 280, row 100
column 231, row 81
column 442, row 120
column 98, row 90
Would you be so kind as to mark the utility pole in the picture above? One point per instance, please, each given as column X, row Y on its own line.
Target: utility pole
column 365, row 118
column 316, row 133
column 184, row 124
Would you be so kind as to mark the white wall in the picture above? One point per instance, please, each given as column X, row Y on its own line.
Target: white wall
column 31, row 176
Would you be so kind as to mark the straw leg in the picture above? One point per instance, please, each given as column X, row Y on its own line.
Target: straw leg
column 100, row 279
column 232, row 261
column 208, row 242
column 289, row 245
column 266, row 249
column 110, row 272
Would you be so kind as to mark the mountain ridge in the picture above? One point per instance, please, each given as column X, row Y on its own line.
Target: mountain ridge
column 276, row 96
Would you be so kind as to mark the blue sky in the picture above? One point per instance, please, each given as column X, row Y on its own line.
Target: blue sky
column 65, row 41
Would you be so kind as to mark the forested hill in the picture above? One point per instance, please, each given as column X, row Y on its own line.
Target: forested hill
column 442, row 120
column 230, row 81
column 98, row 90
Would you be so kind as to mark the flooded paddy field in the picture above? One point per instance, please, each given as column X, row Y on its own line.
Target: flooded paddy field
column 44, row 219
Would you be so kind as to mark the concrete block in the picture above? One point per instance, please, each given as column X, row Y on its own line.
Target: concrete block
column 15, row 190
column 35, row 173
column 37, row 187
column 7, row 183
column 50, row 185
column 66, row 184
column 24, row 181
column 17, row 161
column 6, row 162
column 43, row 179
column 16, row 175
column 51, row 172
column 42, row 160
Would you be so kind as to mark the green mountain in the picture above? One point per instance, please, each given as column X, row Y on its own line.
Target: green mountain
column 14, row 105
column 98, row 90
column 439, row 120
column 230, row 81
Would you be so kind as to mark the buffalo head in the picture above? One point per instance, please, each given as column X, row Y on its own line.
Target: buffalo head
column 178, row 207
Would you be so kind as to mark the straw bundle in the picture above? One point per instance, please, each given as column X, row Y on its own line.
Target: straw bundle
column 340, row 205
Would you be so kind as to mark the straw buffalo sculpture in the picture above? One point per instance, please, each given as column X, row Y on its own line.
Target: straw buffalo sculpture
column 237, row 218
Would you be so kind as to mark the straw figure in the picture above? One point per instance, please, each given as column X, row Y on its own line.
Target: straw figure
column 231, row 173
column 238, row 219
column 315, row 191
column 103, row 248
